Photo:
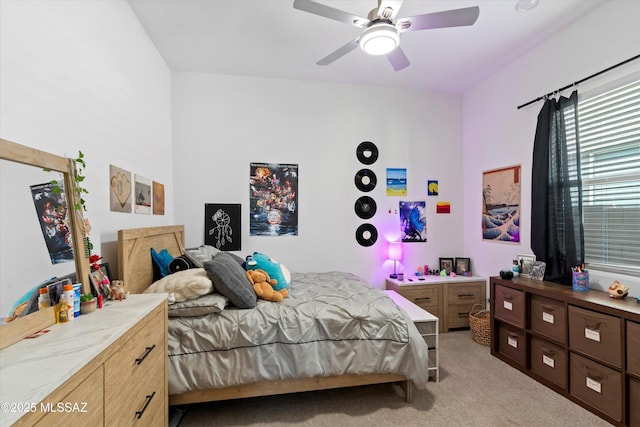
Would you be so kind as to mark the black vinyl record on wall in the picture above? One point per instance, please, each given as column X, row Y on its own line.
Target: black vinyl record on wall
column 365, row 207
column 366, row 234
column 367, row 153
column 365, row 180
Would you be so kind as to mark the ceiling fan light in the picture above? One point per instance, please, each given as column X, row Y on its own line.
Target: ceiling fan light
column 526, row 5
column 379, row 39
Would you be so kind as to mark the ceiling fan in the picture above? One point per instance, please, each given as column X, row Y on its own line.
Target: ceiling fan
column 381, row 34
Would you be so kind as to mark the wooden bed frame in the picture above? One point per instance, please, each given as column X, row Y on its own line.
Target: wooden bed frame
column 135, row 268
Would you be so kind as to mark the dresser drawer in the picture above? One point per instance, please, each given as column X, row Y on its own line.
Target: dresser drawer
column 549, row 361
column 633, row 349
column 458, row 315
column 595, row 334
column 634, row 405
column 86, row 402
column 464, row 294
column 423, row 296
column 512, row 343
column 596, row 385
column 141, row 363
column 510, row 305
column 549, row 317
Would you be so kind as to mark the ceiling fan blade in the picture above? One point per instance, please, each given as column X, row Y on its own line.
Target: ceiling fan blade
column 448, row 18
column 398, row 59
column 337, row 54
column 388, row 9
column 330, row 12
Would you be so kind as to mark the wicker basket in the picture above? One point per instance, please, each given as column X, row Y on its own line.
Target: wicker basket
column 479, row 324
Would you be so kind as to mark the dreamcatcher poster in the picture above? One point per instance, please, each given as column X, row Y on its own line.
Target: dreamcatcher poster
column 273, row 199
column 222, row 226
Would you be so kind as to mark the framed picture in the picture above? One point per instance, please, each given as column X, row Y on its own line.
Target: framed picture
column 526, row 262
column 537, row 270
column 101, row 280
column 501, row 205
column 446, row 264
column 463, row 266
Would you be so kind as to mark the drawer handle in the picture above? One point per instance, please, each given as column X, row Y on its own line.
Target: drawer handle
column 594, row 375
column 547, row 352
column 463, row 314
column 592, row 323
column 466, row 295
column 513, row 334
column 548, row 307
column 147, row 350
column 507, row 297
column 148, row 400
column 422, row 298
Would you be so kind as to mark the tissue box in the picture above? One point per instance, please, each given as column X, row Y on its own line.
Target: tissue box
column 581, row 281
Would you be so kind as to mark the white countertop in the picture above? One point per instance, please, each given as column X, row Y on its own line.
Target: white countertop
column 425, row 280
column 32, row 369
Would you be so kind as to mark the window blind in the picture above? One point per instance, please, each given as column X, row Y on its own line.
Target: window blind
column 609, row 140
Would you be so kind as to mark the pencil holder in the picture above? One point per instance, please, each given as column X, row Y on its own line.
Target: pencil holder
column 581, row 281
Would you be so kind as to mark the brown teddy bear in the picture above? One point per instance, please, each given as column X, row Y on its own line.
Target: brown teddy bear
column 117, row 291
column 263, row 286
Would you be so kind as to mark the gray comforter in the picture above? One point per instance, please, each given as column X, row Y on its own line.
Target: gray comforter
column 331, row 324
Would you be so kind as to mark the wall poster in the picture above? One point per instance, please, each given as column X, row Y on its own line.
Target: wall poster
column 143, row 195
column 222, row 226
column 120, row 189
column 396, row 182
column 51, row 207
column 413, row 221
column 273, row 199
column 501, row 205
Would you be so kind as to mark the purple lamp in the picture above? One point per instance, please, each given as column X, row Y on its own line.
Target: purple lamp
column 394, row 252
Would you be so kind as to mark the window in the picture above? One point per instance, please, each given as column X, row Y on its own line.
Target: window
column 609, row 137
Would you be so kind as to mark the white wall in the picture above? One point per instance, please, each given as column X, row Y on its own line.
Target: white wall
column 79, row 75
column 496, row 134
column 223, row 123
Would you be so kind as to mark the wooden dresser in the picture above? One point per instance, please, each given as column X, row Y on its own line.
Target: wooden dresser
column 583, row 345
column 104, row 368
column 448, row 298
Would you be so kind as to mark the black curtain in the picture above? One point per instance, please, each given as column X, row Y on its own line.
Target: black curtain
column 557, row 235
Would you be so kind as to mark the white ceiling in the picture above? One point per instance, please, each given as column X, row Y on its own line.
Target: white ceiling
column 269, row 38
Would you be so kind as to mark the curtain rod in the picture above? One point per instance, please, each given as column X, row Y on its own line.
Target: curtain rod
column 578, row 82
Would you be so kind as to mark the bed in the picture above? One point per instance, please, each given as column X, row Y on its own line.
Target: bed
column 332, row 331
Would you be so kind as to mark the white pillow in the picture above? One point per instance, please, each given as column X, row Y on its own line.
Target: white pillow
column 184, row 285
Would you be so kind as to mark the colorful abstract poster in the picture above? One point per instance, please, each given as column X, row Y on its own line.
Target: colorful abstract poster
column 222, row 226
column 501, row 205
column 396, row 182
column 51, row 207
column 273, row 199
column 413, row 221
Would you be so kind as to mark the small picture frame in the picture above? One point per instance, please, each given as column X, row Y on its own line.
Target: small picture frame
column 537, row 270
column 446, row 264
column 463, row 266
column 525, row 262
column 101, row 280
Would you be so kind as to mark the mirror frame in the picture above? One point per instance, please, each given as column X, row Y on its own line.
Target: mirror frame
column 14, row 331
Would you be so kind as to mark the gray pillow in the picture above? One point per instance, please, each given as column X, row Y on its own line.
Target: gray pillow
column 229, row 278
column 206, row 304
column 198, row 256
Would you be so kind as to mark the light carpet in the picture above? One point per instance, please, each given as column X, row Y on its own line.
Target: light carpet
column 475, row 389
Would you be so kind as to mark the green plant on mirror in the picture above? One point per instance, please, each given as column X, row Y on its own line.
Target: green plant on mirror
column 78, row 166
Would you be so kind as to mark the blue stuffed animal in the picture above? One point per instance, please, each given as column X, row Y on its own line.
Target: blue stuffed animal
column 275, row 270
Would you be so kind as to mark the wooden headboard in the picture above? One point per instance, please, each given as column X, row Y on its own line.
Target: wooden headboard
column 135, row 266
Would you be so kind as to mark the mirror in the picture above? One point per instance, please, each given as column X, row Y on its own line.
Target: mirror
column 22, row 166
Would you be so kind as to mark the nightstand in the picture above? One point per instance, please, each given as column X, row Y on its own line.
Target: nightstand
column 449, row 298
column 427, row 325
